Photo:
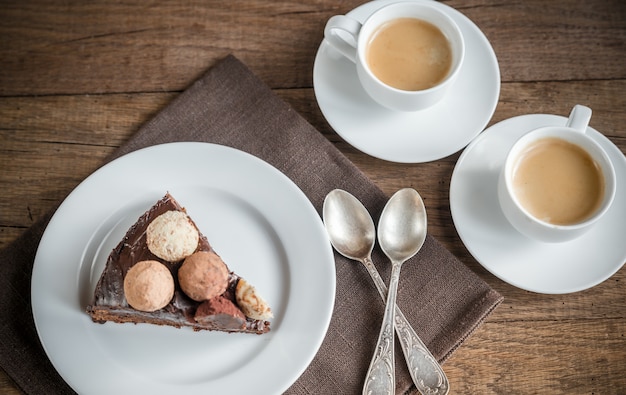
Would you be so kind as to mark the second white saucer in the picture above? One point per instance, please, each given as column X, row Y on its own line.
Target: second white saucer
column 551, row 268
column 410, row 137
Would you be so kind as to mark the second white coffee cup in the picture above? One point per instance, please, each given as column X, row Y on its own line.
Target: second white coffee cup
column 352, row 39
column 557, row 181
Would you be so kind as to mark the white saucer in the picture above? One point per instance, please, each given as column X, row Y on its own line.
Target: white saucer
column 528, row 264
column 411, row 137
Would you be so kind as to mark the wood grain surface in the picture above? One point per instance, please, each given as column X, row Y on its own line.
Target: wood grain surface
column 78, row 78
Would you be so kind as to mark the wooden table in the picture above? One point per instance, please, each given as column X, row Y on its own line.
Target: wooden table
column 78, row 78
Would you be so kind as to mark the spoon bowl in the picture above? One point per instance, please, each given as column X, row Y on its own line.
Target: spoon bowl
column 402, row 226
column 349, row 225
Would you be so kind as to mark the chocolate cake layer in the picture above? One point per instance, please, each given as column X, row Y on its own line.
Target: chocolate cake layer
column 109, row 303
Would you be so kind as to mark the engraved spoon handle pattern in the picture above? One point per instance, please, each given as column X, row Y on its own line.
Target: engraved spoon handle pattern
column 427, row 374
column 381, row 375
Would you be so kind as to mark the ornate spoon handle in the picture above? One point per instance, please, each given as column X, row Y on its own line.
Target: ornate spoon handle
column 427, row 374
column 381, row 375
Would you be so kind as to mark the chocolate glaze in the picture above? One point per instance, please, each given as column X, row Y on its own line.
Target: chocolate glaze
column 109, row 303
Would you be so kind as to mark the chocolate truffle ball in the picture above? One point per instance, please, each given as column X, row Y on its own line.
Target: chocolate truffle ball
column 203, row 275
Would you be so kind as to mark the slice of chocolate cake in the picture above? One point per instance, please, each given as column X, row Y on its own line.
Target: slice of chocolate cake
column 165, row 272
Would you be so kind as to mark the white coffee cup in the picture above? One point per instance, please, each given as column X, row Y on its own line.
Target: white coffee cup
column 510, row 191
column 351, row 38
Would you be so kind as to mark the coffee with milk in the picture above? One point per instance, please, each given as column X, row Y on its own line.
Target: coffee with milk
column 409, row 54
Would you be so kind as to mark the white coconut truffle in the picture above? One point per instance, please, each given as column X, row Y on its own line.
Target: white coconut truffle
column 172, row 236
column 148, row 286
column 251, row 303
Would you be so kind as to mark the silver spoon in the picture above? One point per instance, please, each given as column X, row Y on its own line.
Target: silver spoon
column 352, row 234
column 401, row 234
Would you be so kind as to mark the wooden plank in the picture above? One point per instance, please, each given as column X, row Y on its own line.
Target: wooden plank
column 539, row 357
column 89, row 47
column 553, row 41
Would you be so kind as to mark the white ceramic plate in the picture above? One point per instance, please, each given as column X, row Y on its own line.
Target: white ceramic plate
column 409, row 137
column 528, row 264
column 261, row 224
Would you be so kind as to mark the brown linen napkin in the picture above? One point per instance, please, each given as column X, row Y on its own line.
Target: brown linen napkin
column 443, row 299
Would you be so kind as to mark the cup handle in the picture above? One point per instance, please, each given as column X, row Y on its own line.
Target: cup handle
column 346, row 24
column 579, row 118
